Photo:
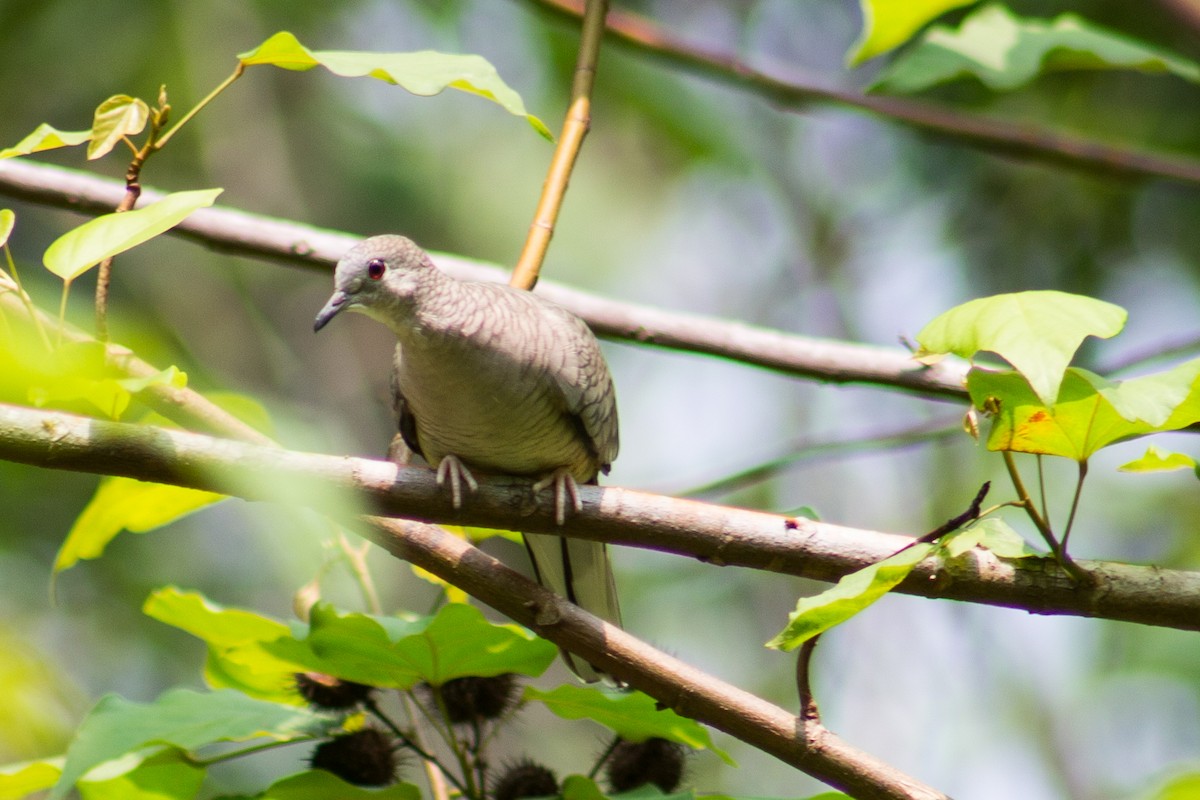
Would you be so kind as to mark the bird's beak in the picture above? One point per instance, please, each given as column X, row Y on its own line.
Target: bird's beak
column 337, row 302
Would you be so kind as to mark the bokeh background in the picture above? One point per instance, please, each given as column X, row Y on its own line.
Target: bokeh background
column 689, row 195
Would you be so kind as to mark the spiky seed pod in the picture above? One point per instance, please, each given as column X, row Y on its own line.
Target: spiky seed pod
column 474, row 699
column 366, row 757
column 328, row 692
column 634, row 764
column 525, row 779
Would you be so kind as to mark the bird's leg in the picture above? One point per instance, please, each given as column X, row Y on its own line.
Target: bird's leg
column 452, row 469
column 564, row 486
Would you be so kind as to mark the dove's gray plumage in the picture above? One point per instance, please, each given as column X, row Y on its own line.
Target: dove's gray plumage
column 489, row 378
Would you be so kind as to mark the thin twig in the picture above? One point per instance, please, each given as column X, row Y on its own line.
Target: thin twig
column 570, row 141
column 1083, row 470
column 413, row 745
column 809, row 712
column 1040, row 522
column 1056, row 147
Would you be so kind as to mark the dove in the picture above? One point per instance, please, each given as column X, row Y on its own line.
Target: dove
column 492, row 379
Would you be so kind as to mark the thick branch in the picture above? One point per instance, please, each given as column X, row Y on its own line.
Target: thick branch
column 280, row 241
column 998, row 136
column 715, row 534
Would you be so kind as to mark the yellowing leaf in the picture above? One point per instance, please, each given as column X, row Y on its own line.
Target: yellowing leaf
column 45, row 137
column 117, row 117
column 7, row 220
column 125, row 504
column 422, row 73
column 887, row 24
column 82, row 248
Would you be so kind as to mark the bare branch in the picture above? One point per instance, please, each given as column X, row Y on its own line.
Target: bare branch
column 1025, row 140
column 245, row 234
column 717, row 535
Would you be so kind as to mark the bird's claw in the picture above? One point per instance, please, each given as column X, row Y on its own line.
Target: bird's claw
column 564, row 487
column 450, row 468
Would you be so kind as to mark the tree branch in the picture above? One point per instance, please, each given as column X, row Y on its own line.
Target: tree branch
column 63, row 441
column 718, row 535
column 992, row 135
column 256, row 236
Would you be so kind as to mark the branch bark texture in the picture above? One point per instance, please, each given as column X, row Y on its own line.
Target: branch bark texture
column 280, row 241
column 719, row 535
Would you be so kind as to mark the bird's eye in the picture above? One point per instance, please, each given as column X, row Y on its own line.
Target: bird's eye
column 375, row 268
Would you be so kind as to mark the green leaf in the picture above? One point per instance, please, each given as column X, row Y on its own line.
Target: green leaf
column 82, row 248
column 166, row 775
column 321, row 785
column 45, row 137
column 179, row 718
column 1180, row 787
column 122, row 504
column 236, row 659
column 580, row 787
column 1084, row 418
column 423, row 73
column 1156, row 460
column 74, row 371
column 388, row 651
column 115, row 118
column 1037, row 332
column 1006, row 52
column 7, row 220
column 850, row 595
column 888, row 24
column 992, row 533
column 631, row 715
column 29, row 777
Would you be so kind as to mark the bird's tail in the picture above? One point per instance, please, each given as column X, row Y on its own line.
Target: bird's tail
column 579, row 571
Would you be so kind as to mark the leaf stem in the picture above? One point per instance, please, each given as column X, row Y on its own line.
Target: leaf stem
column 603, row 759
column 222, row 86
column 575, row 128
column 412, row 744
column 1083, row 470
column 248, row 751
column 1060, row 554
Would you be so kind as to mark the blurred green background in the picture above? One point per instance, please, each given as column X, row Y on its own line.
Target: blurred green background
column 689, row 195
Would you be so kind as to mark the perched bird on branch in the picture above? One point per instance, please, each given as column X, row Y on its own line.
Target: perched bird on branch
column 489, row 378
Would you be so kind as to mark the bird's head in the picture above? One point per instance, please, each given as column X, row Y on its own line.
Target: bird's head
column 375, row 277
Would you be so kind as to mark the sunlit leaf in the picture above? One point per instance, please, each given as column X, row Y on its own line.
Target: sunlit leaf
column 422, row 73
column 1006, row 52
column 388, row 651
column 45, row 137
column 631, row 715
column 73, row 372
column 7, row 220
column 122, row 504
column 1156, row 460
column 850, row 595
column 1084, row 418
column 117, row 117
column 171, row 376
column 82, row 248
column 318, row 784
column 27, row 778
column 236, row 659
column 1179, row 787
column 165, row 775
column 888, row 24
column 180, row 718
column 1037, row 332
column 991, row 533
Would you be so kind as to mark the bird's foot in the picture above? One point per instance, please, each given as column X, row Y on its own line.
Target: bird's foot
column 450, row 468
column 564, row 487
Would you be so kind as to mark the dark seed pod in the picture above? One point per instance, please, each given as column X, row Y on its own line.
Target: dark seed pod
column 525, row 779
column 366, row 757
column 634, row 764
column 473, row 699
column 326, row 691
